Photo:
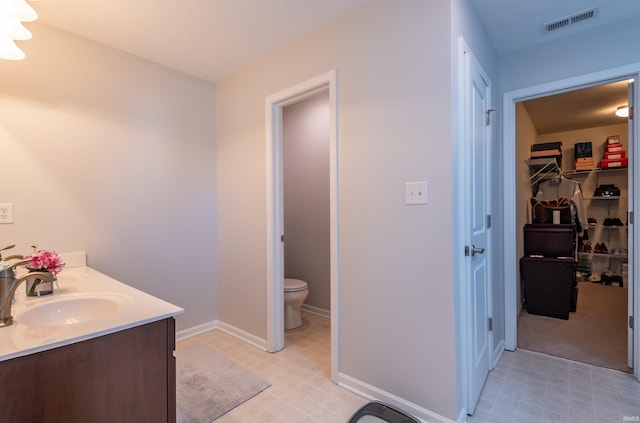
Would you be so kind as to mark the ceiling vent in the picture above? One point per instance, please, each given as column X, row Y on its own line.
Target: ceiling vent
column 570, row 20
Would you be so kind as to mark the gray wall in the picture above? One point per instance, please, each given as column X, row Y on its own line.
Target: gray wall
column 587, row 52
column 396, row 290
column 108, row 153
column 306, row 197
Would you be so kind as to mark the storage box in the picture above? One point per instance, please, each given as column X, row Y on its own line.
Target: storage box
column 548, row 286
column 557, row 145
column 612, row 148
column 615, row 155
column 583, row 149
column 549, row 240
column 608, row 164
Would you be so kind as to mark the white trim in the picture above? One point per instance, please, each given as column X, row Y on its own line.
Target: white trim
column 510, row 99
column 370, row 392
column 225, row 327
column 196, row 330
column 321, row 312
column 461, row 232
column 275, row 220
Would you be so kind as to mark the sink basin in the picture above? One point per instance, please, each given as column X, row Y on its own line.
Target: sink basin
column 70, row 311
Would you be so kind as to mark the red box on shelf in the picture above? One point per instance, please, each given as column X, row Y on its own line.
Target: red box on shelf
column 609, row 164
column 613, row 148
column 608, row 155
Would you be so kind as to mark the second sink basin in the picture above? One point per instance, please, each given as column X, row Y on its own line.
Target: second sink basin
column 70, row 310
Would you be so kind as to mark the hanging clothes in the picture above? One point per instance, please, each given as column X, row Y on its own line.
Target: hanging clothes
column 558, row 187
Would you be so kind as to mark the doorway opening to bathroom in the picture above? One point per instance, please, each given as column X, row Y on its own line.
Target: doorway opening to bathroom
column 302, row 218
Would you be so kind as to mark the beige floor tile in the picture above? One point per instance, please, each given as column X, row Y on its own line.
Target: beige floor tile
column 301, row 390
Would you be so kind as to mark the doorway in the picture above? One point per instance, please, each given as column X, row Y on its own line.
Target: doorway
column 275, row 104
column 595, row 331
column 513, row 248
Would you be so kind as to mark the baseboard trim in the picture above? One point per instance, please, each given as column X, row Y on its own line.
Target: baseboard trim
column 225, row 327
column 497, row 353
column 317, row 311
column 372, row 393
column 243, row 335
column 196, row 330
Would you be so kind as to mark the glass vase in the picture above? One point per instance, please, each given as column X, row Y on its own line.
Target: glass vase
column 36, row 287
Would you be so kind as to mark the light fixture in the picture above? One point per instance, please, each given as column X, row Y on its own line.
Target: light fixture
column 622, row 111
column 12, row 14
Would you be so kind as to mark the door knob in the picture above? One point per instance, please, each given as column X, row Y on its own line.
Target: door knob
column 476, row 250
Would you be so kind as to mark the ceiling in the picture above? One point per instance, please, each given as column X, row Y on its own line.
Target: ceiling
column 586, row 108
column 213, row 39
column 514, row 25
column 208, row 39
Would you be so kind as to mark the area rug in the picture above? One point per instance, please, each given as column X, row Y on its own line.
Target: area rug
column 595, row 334
column 209, row 384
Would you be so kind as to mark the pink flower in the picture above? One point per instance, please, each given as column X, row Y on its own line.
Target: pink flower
column 45, row 261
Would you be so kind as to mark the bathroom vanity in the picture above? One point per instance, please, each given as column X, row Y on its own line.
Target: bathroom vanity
column 95, row 351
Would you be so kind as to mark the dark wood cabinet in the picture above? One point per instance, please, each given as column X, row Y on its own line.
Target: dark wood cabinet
column 126, row 376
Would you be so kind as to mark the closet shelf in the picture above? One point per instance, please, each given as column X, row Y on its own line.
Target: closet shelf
column 612, row 256
column 594, row 170
column 607, row 227
column 611, row 197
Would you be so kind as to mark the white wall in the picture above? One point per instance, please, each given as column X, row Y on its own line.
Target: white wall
column 305, row 133
column 394, row 125
column 104, row 152
column 584, row 53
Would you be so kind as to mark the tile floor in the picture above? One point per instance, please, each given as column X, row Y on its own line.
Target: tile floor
column 532, row 387
column 525, row 386
column 300, row 375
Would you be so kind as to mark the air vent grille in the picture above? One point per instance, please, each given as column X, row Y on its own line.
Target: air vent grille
column 570, row 20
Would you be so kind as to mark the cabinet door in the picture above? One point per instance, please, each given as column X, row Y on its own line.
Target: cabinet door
column 127, row 376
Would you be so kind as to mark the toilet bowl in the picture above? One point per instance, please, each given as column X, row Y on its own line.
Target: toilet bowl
column 295, row 292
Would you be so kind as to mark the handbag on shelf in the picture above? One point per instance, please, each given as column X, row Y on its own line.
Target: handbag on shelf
column 542, row 210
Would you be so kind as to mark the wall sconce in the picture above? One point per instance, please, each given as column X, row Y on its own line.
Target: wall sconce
column 12, row 14
column 622, row 111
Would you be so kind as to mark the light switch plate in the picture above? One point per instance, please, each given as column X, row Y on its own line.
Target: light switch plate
column 6, row 213
column 416, row 192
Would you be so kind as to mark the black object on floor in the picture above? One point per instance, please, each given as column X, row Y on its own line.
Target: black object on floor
column 375, row 411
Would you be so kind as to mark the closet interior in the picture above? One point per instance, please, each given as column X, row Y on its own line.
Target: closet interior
column 573, row 214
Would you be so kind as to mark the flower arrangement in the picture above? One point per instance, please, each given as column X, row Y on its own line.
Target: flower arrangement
column 43, row 261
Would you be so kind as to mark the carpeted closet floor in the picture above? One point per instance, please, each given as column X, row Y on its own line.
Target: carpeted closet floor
column 595, row 334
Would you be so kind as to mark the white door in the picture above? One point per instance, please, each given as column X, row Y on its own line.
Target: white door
column 478, row 142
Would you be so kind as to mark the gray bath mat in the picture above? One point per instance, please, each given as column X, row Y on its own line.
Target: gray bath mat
column 209, row 384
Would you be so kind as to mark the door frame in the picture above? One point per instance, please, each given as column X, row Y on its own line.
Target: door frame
column 510, row 270
column 275, row 209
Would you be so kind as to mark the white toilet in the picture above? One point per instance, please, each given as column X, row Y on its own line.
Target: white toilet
column 295, row 292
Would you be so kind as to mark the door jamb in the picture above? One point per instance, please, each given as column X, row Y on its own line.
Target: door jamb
column 510, row 271
column 275, row 219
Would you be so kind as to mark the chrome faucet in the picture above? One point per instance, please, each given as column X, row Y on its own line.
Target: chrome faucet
column 8, row 285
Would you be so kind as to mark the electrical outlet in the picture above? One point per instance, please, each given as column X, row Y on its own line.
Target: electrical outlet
column 6, row 213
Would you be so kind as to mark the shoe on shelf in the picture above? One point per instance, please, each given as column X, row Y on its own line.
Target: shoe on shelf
column 608, row 222
column 592, row 221
column 587, row 247
column 596, row 248
column 603, row 249
column 616, row 222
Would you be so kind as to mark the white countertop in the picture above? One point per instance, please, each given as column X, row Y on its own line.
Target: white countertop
column 135, row 308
